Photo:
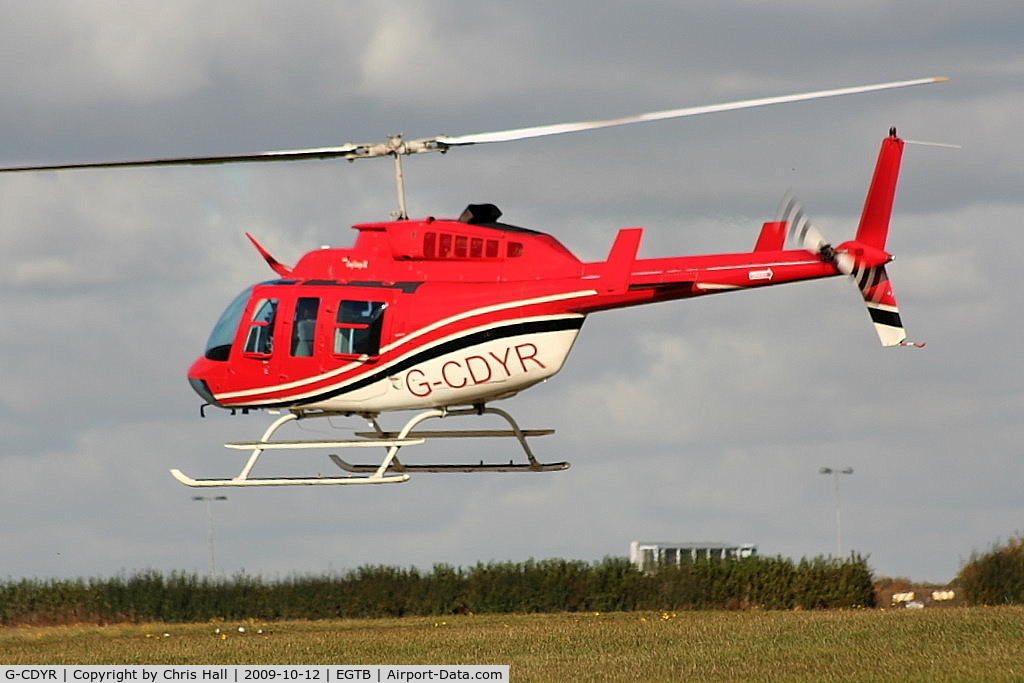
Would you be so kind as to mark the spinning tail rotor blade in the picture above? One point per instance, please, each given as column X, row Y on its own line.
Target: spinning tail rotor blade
column 803, row 232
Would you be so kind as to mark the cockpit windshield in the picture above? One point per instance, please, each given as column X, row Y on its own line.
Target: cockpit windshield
column 218, row 346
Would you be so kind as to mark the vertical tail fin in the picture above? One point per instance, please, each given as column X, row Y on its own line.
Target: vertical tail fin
column 872, row 280
column 863, row 258
column 874, row 220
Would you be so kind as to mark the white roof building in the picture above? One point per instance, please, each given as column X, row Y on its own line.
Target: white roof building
column 648, row 555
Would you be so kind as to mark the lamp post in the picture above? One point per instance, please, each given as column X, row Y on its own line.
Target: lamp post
column 209, row 528
column 835, row 472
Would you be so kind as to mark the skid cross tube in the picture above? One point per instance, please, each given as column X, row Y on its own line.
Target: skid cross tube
column 390, row 469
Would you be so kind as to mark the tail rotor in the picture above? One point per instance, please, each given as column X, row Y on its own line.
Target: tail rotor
column 803, row 233
column 864, row 264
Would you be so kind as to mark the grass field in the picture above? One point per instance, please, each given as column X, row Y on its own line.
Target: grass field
column 939, row 644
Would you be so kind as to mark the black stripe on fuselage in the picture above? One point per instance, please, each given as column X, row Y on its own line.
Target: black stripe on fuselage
column 472, row 339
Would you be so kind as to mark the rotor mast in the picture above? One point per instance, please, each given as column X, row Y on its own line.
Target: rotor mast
column 401, row 214
column 396, row 147
column 400, row 184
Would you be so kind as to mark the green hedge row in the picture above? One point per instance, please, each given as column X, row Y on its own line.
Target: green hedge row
column 996, row 577
column 378, row 591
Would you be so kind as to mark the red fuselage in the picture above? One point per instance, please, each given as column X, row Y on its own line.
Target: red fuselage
column 434, row 313
column 438, row 313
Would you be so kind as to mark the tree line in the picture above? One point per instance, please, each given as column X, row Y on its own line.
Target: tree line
column 553, row 585
column 995, row 577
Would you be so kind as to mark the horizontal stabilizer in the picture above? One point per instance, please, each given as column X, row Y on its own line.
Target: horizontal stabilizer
column 772, row 236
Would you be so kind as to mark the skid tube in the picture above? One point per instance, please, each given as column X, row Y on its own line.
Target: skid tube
column 389, row 470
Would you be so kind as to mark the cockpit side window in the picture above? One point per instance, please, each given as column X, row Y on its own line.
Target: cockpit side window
column 304, row 326
column 260, row 339
column 218, row 346
column 358, row 328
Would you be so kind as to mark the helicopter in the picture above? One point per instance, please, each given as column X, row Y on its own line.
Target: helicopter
column 445, row 316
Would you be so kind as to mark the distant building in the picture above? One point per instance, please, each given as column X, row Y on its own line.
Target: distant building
column 649, row 555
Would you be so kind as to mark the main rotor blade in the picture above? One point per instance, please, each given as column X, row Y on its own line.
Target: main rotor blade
column 396, row 145
column 558, row 128
column 282, row 155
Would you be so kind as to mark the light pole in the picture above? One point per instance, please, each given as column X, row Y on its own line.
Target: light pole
column 835, row 472
column 209, row 528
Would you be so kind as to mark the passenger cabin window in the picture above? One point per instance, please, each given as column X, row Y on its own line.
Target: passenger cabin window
column 358, row 327
column 304, row 326
column 260, row 339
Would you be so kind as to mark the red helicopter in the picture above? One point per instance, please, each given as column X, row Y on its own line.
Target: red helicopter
column 447, row 316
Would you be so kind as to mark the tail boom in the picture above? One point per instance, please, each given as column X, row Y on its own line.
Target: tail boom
column 625, row 280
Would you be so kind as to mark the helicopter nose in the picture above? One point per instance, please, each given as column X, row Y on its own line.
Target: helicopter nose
column 201, row 388
column 197, row 379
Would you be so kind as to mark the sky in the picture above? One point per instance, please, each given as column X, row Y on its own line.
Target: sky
column 702, row 420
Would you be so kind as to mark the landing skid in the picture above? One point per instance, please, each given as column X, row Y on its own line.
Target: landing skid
column 481, row 467
column 389, row 470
